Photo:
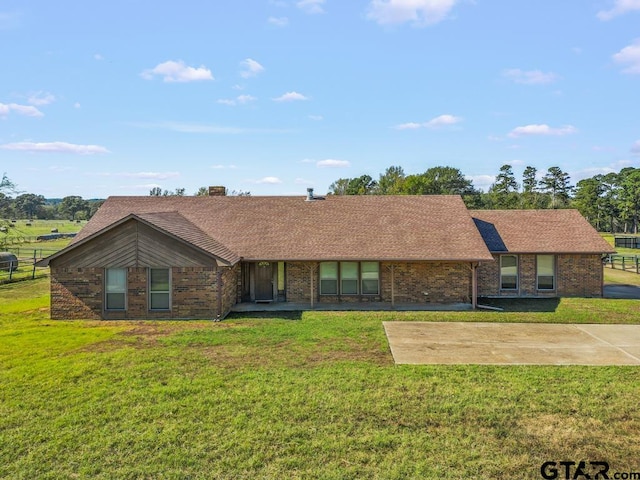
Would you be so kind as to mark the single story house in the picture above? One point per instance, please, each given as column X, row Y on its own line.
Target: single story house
column 197, row 257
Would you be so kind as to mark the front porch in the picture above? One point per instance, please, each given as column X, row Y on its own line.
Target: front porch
column 246, row 307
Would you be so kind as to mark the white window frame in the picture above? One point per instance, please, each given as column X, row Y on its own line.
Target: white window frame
column 363, row 278
column 553, row 273
column 502, row 275
column 159, row 292
column 122, row 290
column 338, row 279
column 343, row 278
column 324, row 277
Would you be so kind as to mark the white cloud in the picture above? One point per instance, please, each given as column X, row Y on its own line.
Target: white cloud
column 290, row 97
column 332, row 163
column 418, row 12
column 41, row 98
column 316, row 118
column 542, row 129
column 77, row 105
column 635, row 148
column 26, row 110
column 630, row 56
column 98, row 57
column 619, row 8
column 203, row 128
column 239, row 100
column 529, row 77
column 54, row 147
column 437, row 122
column 269, row 181
column 312, row 7
column 242, row 99
column 443, row 120
column 482, row 182
column 409, row 126
column 223, row 167
column 278, row 21
column 250, row 68
column 172, row 71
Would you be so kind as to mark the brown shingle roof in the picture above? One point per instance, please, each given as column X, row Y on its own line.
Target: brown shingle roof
column 538, row 231
column 178, row 226
column 337, row 228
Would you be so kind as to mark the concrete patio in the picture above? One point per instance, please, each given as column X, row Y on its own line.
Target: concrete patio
column 422, row 343
column 346, row 306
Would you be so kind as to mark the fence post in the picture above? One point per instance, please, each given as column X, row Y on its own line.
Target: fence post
column 10, row 269
column 611, row 259
column 33, row 274
column 623, row 268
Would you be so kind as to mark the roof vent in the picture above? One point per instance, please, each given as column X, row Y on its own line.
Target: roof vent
column 309, row 194
column 218, row 191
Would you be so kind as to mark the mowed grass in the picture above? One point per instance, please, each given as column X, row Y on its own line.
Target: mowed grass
column 299, row 395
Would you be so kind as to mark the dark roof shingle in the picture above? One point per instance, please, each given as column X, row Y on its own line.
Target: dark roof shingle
column 538, row 231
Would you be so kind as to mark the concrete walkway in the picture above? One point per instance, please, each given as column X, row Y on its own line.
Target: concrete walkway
column 422, row 343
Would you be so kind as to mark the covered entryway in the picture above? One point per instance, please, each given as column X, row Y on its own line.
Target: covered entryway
column 423, row 343
column 264, row 282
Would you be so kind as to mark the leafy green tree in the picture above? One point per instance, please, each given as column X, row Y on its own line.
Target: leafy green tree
column 202, row 192
column 588, row 200
column 556, row 184
column 390, row 182
column 73, row 205
column 503, row 193
column 158, row 192
column 530, row 196
column 363, row 185
column 28, row 204
column 610, row 200
column 630, row 195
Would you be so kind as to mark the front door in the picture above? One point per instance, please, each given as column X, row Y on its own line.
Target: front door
column 264, row 282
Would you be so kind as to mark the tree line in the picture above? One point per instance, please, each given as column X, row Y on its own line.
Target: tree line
column 15, row 204
column 610, row 202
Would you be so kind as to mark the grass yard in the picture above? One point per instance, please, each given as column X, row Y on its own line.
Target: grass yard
column 310, row 395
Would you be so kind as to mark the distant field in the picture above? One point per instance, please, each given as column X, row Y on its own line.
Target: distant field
column 21, row 240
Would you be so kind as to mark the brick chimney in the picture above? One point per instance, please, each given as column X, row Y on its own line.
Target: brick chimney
column 217, row 191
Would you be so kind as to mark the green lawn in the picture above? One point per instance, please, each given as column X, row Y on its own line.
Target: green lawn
column 311, row 395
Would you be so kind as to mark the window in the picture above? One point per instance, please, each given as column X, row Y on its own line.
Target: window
column 115, row 289
column 329, row 278
column 355, row 278
column 159, row 289
column 370, row 272
column 546, row 272
column 349, row 278
column 508, row 272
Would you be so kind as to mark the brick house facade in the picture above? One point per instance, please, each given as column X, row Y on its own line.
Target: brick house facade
column 196, row 257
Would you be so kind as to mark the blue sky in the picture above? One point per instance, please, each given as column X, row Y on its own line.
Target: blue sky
column 274, row 96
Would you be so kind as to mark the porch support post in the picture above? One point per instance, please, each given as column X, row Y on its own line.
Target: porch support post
column 312, row 272
column 393, row 286
column 474, row 285
column 219, row 282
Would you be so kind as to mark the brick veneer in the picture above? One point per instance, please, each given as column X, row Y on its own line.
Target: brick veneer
column 444, row 282
column 78, row 293
column 576, row 276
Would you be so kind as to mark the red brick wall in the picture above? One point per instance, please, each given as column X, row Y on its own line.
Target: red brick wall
column 78, row 293
column 576, row 276
column 445, row 282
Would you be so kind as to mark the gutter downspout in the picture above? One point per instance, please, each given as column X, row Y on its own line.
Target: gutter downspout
column 312, row 271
